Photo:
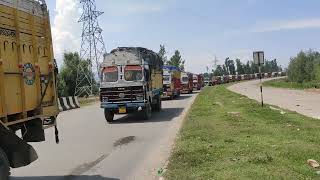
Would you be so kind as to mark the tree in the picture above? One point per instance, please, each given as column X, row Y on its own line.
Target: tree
column 254, row 67
column 247, row 68
column 176, row 60
column 219, row 71
column 224, row 70
column 226, row 65
column 232, row 68
column 239, row 64
column 162, row 53
column 68, row 74
column 304, row 67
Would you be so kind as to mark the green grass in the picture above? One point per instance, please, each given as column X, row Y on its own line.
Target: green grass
column 88, row 101
column 228, row 136
column 285, row 83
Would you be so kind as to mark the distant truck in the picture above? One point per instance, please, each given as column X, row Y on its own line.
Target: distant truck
column 201, row 80
column 131, row 81
column 186, row 83
column 171, row 82
column 198, row 81
column 28, row 72
column 207, row 82
column 216, row 80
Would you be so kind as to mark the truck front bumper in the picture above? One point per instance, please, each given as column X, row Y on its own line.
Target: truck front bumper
column 129, row 106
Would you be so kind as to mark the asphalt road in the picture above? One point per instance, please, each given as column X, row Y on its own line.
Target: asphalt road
column 305, row 102
column 90, row 148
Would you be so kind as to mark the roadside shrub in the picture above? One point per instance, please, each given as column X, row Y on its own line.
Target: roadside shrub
column 305, row 67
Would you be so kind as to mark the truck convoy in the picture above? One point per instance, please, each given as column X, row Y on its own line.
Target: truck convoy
column 131, row 81
column 216, row 80
column 171, row 82
column 186, row 83
column 28, row 96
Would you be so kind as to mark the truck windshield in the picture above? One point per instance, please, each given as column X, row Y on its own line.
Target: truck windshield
column 133, row 73
column 185, row 79
column 110, row 74
column 166, row 78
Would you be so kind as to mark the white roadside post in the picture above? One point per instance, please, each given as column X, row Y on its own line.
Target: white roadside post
column 258, row 58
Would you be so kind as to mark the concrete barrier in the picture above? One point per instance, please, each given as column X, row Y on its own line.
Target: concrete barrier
column 68, row 103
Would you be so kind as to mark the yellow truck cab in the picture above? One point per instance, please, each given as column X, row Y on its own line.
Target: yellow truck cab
column 28, row 98
column 131, row 81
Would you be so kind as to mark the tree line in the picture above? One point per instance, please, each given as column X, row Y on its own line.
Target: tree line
column 234, row 67
column 305, row 67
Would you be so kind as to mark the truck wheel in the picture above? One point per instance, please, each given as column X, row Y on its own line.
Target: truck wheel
column 158, row 106
column 108, row 115
column 147, row 112
column 4, row 166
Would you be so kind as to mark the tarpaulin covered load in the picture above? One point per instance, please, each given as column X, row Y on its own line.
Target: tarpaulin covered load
column 134, row 56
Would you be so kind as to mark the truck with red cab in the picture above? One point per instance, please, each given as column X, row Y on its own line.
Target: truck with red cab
column 186, row 83
column 171, row 82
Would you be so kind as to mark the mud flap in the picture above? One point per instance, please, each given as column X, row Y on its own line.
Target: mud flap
column 33, row 131
column 19, row 152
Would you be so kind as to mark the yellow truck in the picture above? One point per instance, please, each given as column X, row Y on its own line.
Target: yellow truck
column 28, row 96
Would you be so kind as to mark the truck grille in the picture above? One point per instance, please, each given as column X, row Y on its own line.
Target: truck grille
column 119, row 94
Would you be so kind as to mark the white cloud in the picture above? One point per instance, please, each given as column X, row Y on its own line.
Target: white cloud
column 66, row 30
column 288, row 25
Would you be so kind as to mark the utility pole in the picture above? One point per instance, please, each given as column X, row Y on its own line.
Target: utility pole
column 258, row 58
column 92, row 49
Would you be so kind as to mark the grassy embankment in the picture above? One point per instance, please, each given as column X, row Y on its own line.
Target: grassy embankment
column 228, row 136
column 284, row 83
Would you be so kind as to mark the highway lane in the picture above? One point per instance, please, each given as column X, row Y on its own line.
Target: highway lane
column 90, row 148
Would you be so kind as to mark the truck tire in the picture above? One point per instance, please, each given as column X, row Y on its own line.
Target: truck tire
column 146, row 113
column 158, row 106
column 4, row 166
column 108, row 115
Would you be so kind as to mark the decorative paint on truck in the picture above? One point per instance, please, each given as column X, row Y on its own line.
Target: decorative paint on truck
column 131, row 81
column 28, row 96
column 186, row 83
column 198, row 81
column 171, row 82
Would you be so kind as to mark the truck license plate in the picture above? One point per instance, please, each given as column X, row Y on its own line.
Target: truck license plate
column 122, row 110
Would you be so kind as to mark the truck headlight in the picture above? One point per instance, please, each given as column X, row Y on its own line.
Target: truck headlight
column 139, row 97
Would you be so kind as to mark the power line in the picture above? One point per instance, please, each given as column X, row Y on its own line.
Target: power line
column 92, row 48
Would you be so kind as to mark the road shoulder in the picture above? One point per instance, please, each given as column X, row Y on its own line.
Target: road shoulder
column 158, row 157
column 301, row 101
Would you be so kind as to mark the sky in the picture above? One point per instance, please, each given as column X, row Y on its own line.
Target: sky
column 200, row 30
